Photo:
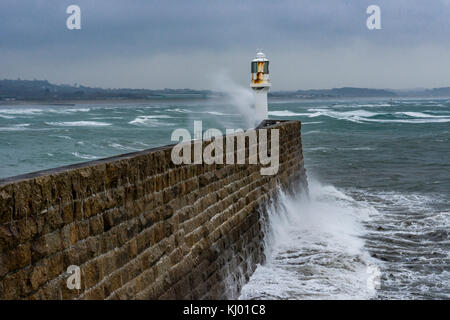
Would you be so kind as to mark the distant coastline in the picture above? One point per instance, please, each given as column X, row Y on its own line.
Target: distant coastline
column 16, row 92
column 89, row 101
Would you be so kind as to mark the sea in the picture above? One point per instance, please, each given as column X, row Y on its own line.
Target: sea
column 376, row 221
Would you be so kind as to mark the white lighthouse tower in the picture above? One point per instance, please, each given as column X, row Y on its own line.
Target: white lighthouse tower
column 260, row 85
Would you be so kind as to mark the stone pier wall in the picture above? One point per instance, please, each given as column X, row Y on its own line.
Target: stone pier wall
column 139, row 226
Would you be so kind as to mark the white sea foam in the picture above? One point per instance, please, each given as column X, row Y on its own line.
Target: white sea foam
column 62, row 137
column 369, row 105
column 34, row 111
column 312, row 122
column 414, row 202
column 314, row 249
column 310, row 132
column 107, row 118
column 318, row 148
column 359, row 149
column 66, row 111
column 354, row 116
column 286, row 113
column 15, row 127
column 78, row 124
column 341, row 114
column 84, row 156
column 122, row 147
column 179, row 110
column 21, row 111
column 6, row 117
column 360, row 116
column 408, row 225
column 217, row 113
column 437, row 111
column 411, row 121
column 420, row 115
column 151, row 120
column 142, row 144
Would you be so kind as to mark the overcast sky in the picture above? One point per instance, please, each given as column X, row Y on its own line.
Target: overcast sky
column 184, row 43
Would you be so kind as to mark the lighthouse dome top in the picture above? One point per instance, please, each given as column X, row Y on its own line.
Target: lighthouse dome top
column 260, row 56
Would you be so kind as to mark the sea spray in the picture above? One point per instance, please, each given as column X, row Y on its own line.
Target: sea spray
column 314, row 248
column 241, row 99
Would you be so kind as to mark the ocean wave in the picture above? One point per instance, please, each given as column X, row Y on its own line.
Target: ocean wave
column 79, row 124
column 419, row 115
column 34, row 111
column 286, row 113
column 180, row 110
column 437, row 111
column 122, row 147
column 21, row 111
column 344, row 114
column 142, row 143
column 6, row 117
column 410, row 232
column 370, row 105
column 107, row 118
column 413, row 201
column 152, row 120
column 215, row 113
column 410, row 121
column 66, row 111
column 318, row 148
column 84, row 156
column 361, row 116
column 61, row 137
column 15, row 127
column 354, row 148
column 314, row 249
column 354, row 116
column 312, row 122
column 311, row 132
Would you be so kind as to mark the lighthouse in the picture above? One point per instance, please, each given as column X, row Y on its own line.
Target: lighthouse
column 260, row 84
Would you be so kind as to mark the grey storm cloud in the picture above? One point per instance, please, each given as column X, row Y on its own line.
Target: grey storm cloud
column 179, row 43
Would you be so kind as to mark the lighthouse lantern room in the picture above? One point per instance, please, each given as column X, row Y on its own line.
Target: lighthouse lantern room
column 260, row 84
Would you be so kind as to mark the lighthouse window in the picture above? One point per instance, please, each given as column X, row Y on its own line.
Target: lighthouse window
column 266, row 67
column 254, row 67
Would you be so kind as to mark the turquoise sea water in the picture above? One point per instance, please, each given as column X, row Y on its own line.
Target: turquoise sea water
column 379, row 173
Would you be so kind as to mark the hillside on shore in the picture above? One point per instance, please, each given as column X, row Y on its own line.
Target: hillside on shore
column 43, row 90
